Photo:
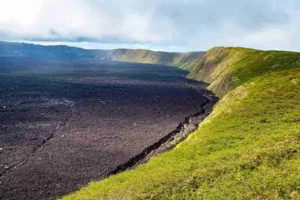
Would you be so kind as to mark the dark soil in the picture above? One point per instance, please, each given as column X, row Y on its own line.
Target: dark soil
column 63, row 125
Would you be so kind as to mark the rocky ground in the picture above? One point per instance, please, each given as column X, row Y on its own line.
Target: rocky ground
column 62, row 128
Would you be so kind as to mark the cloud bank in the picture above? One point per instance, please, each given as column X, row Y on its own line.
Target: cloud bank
column 175, row 25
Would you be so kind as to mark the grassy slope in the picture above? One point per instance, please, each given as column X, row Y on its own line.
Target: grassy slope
column 248, row 148
column 184, row 60
column 227, row 68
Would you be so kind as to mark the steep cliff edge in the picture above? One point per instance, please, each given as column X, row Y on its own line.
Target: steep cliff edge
column 184, row 60
column 227, row 68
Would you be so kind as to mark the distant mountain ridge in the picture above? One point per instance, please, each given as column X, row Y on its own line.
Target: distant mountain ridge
column 184, row 60
column 187, row 60
column 10, row 49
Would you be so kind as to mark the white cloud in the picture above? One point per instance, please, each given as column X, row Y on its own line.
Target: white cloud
column 159, row 24
column 57, row 19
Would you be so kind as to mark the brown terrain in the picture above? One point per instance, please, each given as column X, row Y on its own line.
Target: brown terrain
column 64, row 124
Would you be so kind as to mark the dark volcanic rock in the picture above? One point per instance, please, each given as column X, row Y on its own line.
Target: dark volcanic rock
column 66, row 125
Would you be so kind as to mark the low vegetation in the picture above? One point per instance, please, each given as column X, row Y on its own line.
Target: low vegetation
column 248, row 148
column 185, row 60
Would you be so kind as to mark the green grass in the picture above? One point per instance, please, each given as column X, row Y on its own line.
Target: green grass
column 227, row 68
column 248, row 148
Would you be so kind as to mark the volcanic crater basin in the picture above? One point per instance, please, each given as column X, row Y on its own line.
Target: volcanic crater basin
column 64, row 124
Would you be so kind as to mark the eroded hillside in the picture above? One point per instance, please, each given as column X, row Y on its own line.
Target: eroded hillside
column 227, row 68
column 184, row 60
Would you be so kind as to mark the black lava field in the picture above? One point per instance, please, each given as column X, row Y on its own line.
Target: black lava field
column 64, row 124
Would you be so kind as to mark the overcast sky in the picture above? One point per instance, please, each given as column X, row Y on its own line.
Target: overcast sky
column 171, row 25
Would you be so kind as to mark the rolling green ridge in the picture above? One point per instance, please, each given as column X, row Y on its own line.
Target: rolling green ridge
column 247, row 148
column 227, row 68
column 184, row 60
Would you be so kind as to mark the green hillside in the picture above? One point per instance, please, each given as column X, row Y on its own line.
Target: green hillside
column 248, row 148
column 184, row 60
column 227, row 68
